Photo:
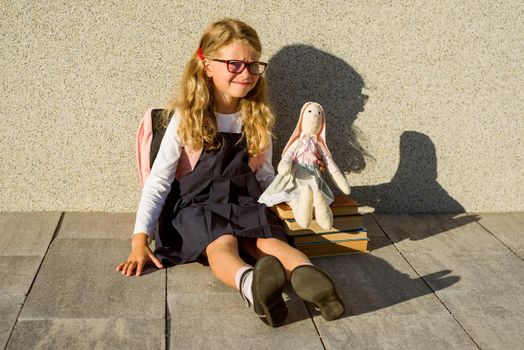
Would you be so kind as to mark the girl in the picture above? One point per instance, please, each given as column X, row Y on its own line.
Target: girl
column 222, row 112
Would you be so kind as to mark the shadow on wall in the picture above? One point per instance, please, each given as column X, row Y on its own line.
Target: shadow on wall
column 300, row 73
column 414, row 187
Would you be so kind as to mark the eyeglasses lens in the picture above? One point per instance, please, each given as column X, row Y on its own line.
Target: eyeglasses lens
column 256, row 68
column 238, row 67
column 235, row 66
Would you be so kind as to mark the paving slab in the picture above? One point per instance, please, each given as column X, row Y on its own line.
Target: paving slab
column 487, row 300
column 95, row 333
column 27, row 233
column 492, row 318
column 17, row 273
column 377, row 242
column 205, row 313
column 483, row 271
column 440, row 331
column 508, row 227
column 78, row 280
column 438, row 233
column 382, row 283
column 371, row 227
column 10, row 306
column 478, row 303
column 377, row 238
column 222, row 321
column 495, row 332
column 97, row 225
column 195, row 278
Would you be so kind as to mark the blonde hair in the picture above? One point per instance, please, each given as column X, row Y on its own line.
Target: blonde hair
column 195, row 101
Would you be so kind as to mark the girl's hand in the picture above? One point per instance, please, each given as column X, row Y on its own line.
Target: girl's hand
column 320, row 163
column 140, row 255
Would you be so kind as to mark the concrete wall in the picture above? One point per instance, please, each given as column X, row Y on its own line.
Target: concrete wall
column 424, row 99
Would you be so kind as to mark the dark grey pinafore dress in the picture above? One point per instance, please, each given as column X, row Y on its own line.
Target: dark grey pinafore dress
column 219, row 197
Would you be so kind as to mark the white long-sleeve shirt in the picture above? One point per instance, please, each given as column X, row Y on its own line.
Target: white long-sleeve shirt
column 158, row 184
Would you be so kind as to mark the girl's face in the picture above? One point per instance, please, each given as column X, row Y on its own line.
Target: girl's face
column 229, row 88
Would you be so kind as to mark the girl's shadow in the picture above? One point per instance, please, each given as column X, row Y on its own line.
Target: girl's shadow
column 300, row 73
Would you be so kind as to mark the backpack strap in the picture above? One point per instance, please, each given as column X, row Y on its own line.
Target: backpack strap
column 144, row 138
column 148, row 139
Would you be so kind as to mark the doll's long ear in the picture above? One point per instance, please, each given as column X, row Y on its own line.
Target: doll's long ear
column 322, row 131
column 298, row 128
column 304, row 108
column 321, row 136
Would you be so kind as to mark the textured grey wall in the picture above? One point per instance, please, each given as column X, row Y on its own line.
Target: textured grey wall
column 424, row 100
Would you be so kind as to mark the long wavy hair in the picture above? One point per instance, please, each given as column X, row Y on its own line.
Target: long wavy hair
column 195, row 100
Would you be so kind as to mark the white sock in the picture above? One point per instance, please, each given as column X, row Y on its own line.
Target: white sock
column 248, row 281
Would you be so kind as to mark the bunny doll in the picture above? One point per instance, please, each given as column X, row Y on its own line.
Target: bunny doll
column 299, row 181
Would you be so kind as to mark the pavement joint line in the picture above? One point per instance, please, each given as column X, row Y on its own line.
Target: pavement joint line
column 498, row 239
column 167, row 319
column 427, row 285
column 58, row 226
column 315, row 325
column 383, row 231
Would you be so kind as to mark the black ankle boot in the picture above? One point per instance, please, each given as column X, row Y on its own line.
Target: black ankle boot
column 316, row 286
column 269, row 279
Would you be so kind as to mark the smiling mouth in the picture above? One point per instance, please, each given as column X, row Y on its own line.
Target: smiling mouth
column 243, row 83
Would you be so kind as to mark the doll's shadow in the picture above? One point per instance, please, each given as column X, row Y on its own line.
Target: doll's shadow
column 414, row 187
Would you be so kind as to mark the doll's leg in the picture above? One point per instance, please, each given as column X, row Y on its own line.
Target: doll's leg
column 323, row 214
column 294, row 206
column 224, row 260
column 304, row 212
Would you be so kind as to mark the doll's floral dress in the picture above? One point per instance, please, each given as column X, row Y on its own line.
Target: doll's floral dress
column 304, row 172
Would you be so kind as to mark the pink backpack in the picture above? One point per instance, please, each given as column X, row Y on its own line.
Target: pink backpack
column 148, row 139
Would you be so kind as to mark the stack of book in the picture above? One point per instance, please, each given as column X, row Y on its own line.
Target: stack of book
column 347, row 236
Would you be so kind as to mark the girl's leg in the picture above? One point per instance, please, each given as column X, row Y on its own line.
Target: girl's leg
column 288, row 255
column 224, row 260
column 264, row 293
column 309, row 282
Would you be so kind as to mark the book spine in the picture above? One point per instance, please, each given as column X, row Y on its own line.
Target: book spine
column 334, row 249
column 306, row 231
column 330, row 237
column 331, row 242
